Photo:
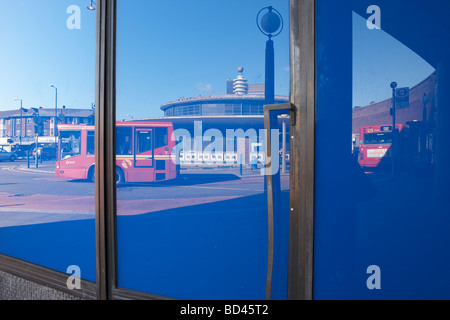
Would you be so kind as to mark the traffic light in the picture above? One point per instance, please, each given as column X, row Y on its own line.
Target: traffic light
column 39, row 129
column 38, row 125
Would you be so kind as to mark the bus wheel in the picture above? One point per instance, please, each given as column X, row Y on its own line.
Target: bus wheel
column 120, row 178
column 91, row 174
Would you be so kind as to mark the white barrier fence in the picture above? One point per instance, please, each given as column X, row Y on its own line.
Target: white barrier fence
column 219, row 158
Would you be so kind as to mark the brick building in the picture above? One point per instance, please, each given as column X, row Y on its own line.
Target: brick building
column 379, row 113
column 23, row 126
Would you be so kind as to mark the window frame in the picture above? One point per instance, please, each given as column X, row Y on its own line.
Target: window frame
column 302, row 96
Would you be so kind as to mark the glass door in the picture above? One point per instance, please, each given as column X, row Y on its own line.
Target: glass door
column 201, row 230
column 143, row 156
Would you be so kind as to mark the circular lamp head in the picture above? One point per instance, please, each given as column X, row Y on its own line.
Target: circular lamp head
column 271, row 23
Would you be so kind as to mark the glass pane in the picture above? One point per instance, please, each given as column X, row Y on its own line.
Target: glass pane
column 47, row 72
column 192, row 215
column 143, row 141
column 277, row 169
column 382, row 209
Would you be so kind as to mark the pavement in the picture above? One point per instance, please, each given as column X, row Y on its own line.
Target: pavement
column 46, row 167
column 197, row 186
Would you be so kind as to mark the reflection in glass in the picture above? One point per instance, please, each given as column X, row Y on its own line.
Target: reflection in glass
column 202, row 234
column 47, row 61
column 381, row 213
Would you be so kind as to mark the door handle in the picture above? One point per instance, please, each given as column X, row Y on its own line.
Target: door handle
column 270, row 183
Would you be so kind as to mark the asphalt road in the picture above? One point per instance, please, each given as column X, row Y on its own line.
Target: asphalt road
column 36, row 195
column 207, row 224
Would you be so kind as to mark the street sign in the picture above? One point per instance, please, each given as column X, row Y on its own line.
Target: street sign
column 402, row 98
column 47, row 139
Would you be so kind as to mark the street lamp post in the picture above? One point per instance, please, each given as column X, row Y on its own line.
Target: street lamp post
column 271, row 25
column 394, row 131
column 55, row 124
column 20, row 127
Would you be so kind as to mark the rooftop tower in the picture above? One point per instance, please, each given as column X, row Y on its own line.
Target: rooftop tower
column 240, row 85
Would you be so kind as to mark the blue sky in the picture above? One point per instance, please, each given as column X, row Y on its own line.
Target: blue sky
column 37, row 49
column 164, row 54
column 378, row 60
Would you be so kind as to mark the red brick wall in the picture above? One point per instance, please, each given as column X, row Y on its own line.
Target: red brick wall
column 378, row 113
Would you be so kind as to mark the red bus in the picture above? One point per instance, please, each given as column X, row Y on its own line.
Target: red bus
column 143, row 152
column 375, row 145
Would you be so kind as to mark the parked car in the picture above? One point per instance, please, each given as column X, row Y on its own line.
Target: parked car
column 6, row 155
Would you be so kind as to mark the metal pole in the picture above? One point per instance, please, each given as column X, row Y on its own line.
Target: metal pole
column 283, row 153
column 55, row 124
column 394, row 131
column 393, row 134
column 270, row 73
column 393, row 109
column 55, row 128
column 20, row 132
column 240, row 164
column 36, row 165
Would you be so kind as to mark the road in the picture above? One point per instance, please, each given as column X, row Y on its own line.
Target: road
column 36, row 195
column 215, row 216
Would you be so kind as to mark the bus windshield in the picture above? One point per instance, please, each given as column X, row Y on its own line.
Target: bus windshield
column 70, row 144
column 378, row 138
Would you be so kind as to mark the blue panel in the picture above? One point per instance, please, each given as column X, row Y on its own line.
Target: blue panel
column 381, row 210
column 65, row 244
column 197, row 252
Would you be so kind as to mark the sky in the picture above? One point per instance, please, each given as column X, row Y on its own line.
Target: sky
column 37, row 50
column 164, row 54
column 378, row 60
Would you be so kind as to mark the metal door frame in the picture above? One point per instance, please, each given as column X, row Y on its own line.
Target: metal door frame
column 302, row 96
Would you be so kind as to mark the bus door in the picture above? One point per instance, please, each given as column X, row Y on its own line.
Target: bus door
column 143, row 150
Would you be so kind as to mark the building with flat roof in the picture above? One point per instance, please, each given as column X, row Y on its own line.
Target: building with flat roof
column 236, row 118
column 241, row 99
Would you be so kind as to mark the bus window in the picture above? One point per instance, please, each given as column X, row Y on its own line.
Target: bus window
column 70, row 144
column 161, row 137
column 143, row 141
column 377, row 138
column 90, row 143
column 123, row 141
